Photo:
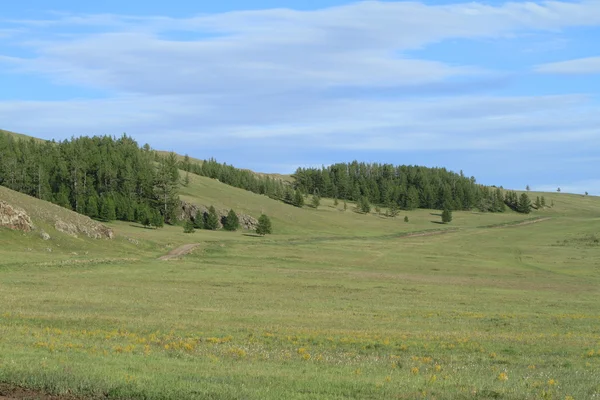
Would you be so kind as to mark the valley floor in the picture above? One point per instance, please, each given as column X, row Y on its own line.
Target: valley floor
column 495, row 308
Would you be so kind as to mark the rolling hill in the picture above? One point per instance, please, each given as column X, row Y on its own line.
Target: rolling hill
column 334, row 304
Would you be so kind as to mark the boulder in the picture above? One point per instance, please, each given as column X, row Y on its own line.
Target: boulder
column 14, row 218
column 89, row 228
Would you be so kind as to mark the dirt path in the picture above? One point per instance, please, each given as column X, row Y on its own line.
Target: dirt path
column 431, row 233
column 180, row 251
column 9, row 392
column 533, row 221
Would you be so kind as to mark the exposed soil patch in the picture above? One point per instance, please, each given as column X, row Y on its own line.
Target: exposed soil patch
column 8, row 392
column 180, row 251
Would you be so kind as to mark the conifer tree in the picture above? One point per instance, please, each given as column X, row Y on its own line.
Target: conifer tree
column 298, row 200
column 91, row 209
column 364, row 205
column 524, row 205
column 199, row 220
column 412, row 198
column 538, row 203
column 447, row 216
column 212, row 219
column 393, row 209
column 345, row 205
column 107, row 209
column 188, row 227
column 316, row 201
column 264, row 225
column 335, row 202
column 543, row 201
column 232, row 222
column 406, row 218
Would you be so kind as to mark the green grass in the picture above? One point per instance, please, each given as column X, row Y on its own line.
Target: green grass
column 334, row 305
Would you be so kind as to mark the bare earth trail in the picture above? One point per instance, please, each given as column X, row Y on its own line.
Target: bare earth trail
column 534, row 221
column 9, row 392
column 180, row 251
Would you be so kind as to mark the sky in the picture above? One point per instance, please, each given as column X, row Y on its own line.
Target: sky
column 508, row 92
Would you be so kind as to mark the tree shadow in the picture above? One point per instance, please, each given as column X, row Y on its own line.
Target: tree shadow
column 437, row 222
column 255, row 235
column 141, row 226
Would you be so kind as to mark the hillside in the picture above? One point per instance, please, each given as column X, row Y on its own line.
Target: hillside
column 334, row 304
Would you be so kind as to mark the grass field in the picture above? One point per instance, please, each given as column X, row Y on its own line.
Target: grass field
column 334, row 305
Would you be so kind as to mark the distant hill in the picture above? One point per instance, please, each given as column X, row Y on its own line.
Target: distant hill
column 20, row 135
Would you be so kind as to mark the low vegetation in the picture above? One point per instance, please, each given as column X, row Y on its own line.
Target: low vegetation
column 331, row 304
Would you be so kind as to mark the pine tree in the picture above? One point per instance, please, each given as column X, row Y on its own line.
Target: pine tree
column 199, row 220
column 406, row 218
column 558, row 190
column 316, row 201
column 543, row 201
column 91, row 209
column 298, row 199
column 447, row 216
column 158, row 221
column 188, row 227
column 412, row 198
column 393, row 209
column 364, row 205
column 107, row 209
column 527, row 188
column 264, row 225
column 524, row 205
column 345, row 205
column 538, row 203
column 186, row 180
column 212, row 219
column 232, row 222
column 335, row 202
column 142, row 215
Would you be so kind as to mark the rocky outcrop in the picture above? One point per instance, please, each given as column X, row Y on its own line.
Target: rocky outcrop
column 14, row 218
column 188, row 212
column 90, row 228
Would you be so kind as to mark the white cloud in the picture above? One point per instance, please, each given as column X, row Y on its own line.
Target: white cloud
column 266, row 51
column 589, row 65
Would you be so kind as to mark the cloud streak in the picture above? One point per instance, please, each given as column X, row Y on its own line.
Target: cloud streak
column 581, row 66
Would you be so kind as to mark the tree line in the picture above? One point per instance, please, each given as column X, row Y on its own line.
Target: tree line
column 102, row 177
column 406, row 187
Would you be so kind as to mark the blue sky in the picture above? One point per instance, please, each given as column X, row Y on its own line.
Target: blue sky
column 506, row 92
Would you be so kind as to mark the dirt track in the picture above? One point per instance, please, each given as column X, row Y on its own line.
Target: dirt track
column 180, row 251
column 8, row 392
column 533, row 221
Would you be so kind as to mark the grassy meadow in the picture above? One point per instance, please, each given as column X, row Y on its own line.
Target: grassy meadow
column 333, row 305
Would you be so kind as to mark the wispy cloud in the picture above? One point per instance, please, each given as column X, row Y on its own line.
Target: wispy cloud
column 582, row 66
